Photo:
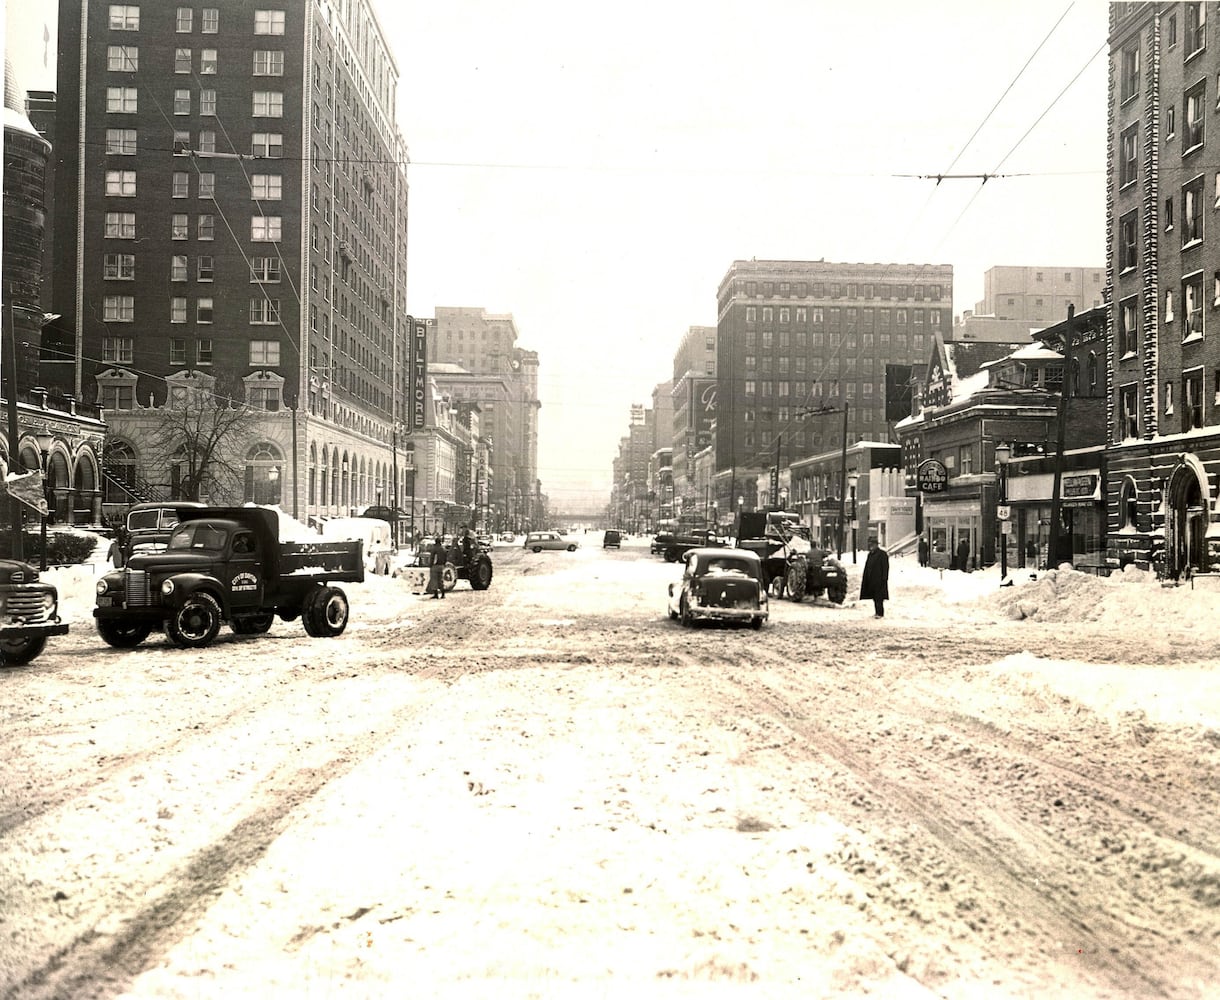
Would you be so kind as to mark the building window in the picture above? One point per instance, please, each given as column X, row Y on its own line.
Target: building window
column 268, row 22
column 206, row 268
column 267, row 144
column 182, row 60
column 1128, row 326
column 1192, row 305
column 1128, row 228
column 1129, row 79
column 184, row 21
column 211, row 20
column 1192, row 212
column 121, row 183
column 264, row 312
column 264, row 353
column 207, row 141
column 118, row 397
column 1192, row 127
column 177, row 268
column 1171, row 31
column 1128, row 415
column 1192, row 399
column 120, row 225
column 1169, row 399
column 117, row 350
column 1128, row 505
column 265, row 228
column 1196, row 28
column 1170, row 122
column 177, row 309
column 268, row 62
column 182, row 142
column 207, row 227
column 203, row 352
column 207, row 185
column 207, row 62
column 207, row 102
column 179, row 227
column 121, row 100
column 265, row 269
column 121, row 141
column 182, row 102
column 268, row 104
column 1128, row 164
column 124, row 17
column 119, row 266
column 122, row 58
column 180, row 184
column 177, row 350
column 1169, row 306
column 266, row 187
column 263, row 397
column 1168, row 215
column 118, row 308
column 203, row 310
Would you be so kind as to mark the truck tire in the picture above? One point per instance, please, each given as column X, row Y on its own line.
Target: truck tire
column 837, row 594
column 196, row 623
column 796, row 580
column 672, row 553
column 252, row 624
column 18, row 652
column 122, row 635
column 325, row 613
column 480, row 574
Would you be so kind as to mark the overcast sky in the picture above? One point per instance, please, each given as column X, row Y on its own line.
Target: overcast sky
column 595, row 170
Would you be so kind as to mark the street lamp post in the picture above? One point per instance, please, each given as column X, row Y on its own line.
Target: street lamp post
column 1002, row 454
column 851, row 484
column 44, row 441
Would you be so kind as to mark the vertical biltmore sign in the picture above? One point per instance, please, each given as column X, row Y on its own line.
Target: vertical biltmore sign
column 417, row 379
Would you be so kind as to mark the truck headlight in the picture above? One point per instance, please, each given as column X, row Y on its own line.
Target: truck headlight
column 48, row 603
column 102, row 586
column 167, row 587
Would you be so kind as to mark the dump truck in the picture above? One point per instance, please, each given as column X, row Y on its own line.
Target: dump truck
column 227, row 565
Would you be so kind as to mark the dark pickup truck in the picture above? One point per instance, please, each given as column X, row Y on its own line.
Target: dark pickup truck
column 674, row 545
column 29, row 613
column 227, row 564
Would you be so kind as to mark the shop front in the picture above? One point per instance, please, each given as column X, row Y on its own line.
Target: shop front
column 1082, row 519
column 954, row 532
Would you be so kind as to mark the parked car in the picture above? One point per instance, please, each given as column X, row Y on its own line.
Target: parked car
column 536, row 541
column 507, row 536
column 612, row 539
column 720, row 584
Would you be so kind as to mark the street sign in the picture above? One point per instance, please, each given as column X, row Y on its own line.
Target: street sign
column 1003, row 512
column 1005, row 527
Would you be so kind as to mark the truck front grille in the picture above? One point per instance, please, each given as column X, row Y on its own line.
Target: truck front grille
column 26, row 605
column 137, row 589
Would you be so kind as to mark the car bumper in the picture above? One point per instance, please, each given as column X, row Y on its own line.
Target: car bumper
column 32, row 630
column 726, row 614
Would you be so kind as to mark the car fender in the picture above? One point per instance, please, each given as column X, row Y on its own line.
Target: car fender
column 188, row 584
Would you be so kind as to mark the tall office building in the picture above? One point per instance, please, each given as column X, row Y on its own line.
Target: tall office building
column 231, row 205
column 799, row 341
column 694, row 404
column 1163, row 279
column 485, row 344
column 1040, row 294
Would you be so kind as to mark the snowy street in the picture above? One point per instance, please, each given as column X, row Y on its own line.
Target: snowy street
column 550, row 789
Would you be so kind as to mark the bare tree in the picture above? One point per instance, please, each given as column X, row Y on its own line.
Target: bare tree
column 202, row 437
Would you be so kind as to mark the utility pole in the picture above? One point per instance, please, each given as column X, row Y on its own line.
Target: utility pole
column 1052, row 555
column 843, row 480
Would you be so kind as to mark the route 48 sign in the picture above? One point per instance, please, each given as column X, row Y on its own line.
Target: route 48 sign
column 932, row 477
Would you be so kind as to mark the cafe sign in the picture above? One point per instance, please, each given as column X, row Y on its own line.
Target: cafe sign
column 932, row 477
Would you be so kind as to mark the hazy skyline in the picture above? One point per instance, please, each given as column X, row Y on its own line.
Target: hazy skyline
column 596, row 174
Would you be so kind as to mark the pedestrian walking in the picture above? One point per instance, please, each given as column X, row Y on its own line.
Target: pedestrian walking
column 923, row 550
column 963, row 555
column 875, row 582
column 436, row 569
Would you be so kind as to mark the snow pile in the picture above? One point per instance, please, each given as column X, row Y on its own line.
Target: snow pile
column 1065, row 595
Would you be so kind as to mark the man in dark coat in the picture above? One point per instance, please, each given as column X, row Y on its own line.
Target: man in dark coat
column 875, row 582
column 923, row 550
column 963, row 555
column 436, row 569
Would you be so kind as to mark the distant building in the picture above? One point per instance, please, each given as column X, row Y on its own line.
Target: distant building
column 1040, row 294
column 694, row 407
column 798, row 342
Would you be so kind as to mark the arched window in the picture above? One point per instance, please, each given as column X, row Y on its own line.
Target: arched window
column 264, row 466
column 312, row 496
column 1128, row 505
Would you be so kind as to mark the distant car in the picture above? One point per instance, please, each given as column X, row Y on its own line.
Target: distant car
column 507, row 536
column 724, row 585
column 612, row 539
column 536, row 541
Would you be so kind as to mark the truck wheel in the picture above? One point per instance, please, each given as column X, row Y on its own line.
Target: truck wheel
column 196, row 623
column 252, row 624
column 756, row 623
column 837, row 594
column 671, row 554
column 796, row 581
column 121, row 635
column 480, row 575
column 18, row 652
column 325, row 613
